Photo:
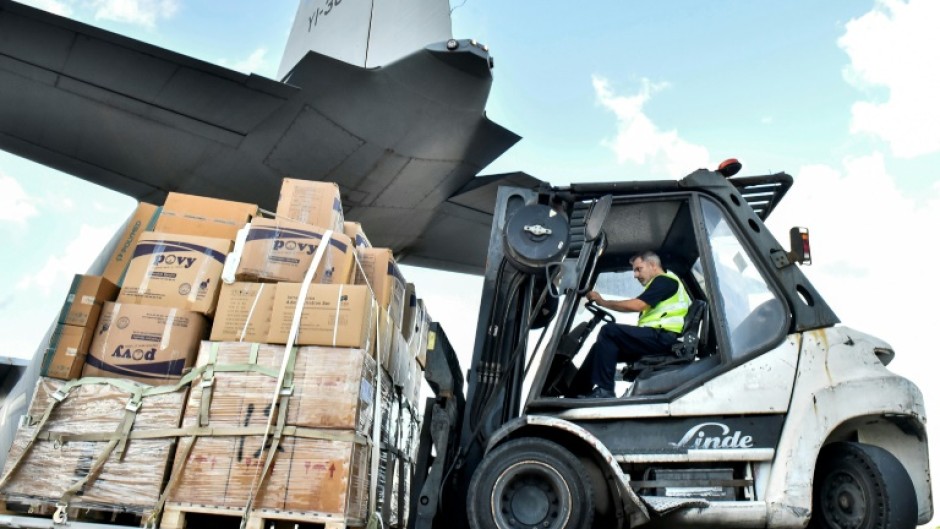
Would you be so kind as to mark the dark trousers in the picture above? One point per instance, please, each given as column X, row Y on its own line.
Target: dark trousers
column 619, row 343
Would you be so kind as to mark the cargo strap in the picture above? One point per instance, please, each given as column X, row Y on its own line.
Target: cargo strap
column 54, row 400
column 209, row 370
column 251, row 312
column 117, row 440
column 285, row 379
column 209, row 431
column 150, row 522
column 376, row 422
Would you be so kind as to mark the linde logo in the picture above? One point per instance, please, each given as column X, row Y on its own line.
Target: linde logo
column 134, row 354
column 174, row 260
column 294, row 246
column 711, row 435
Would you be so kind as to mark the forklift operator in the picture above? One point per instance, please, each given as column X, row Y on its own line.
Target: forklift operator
column 662, row 305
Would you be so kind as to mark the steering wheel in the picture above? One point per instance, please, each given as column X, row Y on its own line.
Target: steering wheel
column 599, row 313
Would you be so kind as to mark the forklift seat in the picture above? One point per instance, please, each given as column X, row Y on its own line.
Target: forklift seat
column 694, row 330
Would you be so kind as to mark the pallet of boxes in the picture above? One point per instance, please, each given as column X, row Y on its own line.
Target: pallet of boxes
column 309, row 359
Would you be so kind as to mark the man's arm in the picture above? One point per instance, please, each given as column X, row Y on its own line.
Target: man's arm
column 622, row 305
column 660, row 289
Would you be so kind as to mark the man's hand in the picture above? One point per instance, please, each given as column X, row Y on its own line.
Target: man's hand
column 595, row 297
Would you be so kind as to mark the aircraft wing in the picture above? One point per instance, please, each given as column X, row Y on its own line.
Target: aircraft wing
column 401, row 140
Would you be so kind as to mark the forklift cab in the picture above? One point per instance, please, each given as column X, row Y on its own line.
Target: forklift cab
column 741, row 311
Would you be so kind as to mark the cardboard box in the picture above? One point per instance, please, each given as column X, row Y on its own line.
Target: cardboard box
column 385, row 341
column 203, row 217
column 172, row 270
column 333, row 315
column 85, row 298
column 418, row 384
column 279, row 250
column 398, row 364
column 143, row 219
column 144, row 343
column 68, row 346
column 131, row 483
column 314, row 203
column 420, row 337
column 243, row 313
column 380, row 271
column 410, row 306
column 353, row 230
column 66, row 353
column 407, row 376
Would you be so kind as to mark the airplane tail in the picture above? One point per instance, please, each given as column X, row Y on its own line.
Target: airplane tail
column 366, row 33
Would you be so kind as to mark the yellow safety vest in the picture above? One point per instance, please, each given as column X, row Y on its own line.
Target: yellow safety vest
column 670, row 313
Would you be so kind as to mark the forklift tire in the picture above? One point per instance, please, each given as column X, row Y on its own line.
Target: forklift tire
column 530, row 483
column 859, row 486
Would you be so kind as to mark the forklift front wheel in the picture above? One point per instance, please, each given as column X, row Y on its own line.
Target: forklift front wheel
column 859, row 486
column 530, row 483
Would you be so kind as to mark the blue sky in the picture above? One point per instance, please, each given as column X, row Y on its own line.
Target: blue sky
column 842, row 95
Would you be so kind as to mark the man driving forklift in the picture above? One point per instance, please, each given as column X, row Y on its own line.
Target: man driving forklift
column 662, row 305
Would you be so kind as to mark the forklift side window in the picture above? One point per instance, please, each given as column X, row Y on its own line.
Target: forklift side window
column 755, row 317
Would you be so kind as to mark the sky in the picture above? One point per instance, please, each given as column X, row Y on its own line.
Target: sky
column 841, row 95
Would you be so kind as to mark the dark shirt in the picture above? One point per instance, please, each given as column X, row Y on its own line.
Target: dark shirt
column 660, row 289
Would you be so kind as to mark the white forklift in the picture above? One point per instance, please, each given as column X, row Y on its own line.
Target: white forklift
column 768, row 413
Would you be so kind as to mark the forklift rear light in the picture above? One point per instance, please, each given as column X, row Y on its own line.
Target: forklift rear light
column 799, row 246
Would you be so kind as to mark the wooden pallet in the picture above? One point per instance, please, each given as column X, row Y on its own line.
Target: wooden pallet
column 180, row 515
column 47, row 510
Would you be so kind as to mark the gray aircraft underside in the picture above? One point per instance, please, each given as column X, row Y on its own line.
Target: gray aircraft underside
column 398, row 124
column 404, row 141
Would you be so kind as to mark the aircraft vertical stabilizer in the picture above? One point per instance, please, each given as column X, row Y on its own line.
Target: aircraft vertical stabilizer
column 365, row 33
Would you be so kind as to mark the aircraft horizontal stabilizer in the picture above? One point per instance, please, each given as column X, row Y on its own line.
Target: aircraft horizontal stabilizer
column 458, row 235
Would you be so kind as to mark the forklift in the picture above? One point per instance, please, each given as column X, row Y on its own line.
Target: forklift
column 767, row 413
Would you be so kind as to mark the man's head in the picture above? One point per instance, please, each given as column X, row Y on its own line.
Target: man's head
column 646, row 266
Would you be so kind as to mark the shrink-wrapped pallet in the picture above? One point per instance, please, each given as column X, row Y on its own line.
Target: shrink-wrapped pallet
column 54, row 463
column 386, row 494
column 320, row 464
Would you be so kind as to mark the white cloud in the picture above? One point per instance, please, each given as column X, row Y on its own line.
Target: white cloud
column 868, row 239
column 139, row 12
column 76, row 256
column 254, row 63
column 896, row 47
column 52, row 6
column 639, row 140
column 15, row 204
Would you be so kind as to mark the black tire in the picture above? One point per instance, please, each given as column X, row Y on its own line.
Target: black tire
column 859, row 486
column 530, row 483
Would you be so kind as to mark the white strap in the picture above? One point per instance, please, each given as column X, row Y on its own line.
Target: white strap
column 291, row 338
column 235, row 256
column 339, row 301
column 251, row 311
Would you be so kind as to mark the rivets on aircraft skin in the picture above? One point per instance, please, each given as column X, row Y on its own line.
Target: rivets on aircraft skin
column 452, row 44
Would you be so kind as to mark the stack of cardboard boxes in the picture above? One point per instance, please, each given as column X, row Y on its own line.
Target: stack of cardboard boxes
column 198, row 264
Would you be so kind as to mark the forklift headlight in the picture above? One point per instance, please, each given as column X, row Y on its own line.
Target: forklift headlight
column 884, row 355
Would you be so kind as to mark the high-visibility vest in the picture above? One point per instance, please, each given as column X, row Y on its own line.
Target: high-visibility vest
column 670, row 313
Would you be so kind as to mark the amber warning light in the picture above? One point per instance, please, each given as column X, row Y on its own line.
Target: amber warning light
column 799, row 246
